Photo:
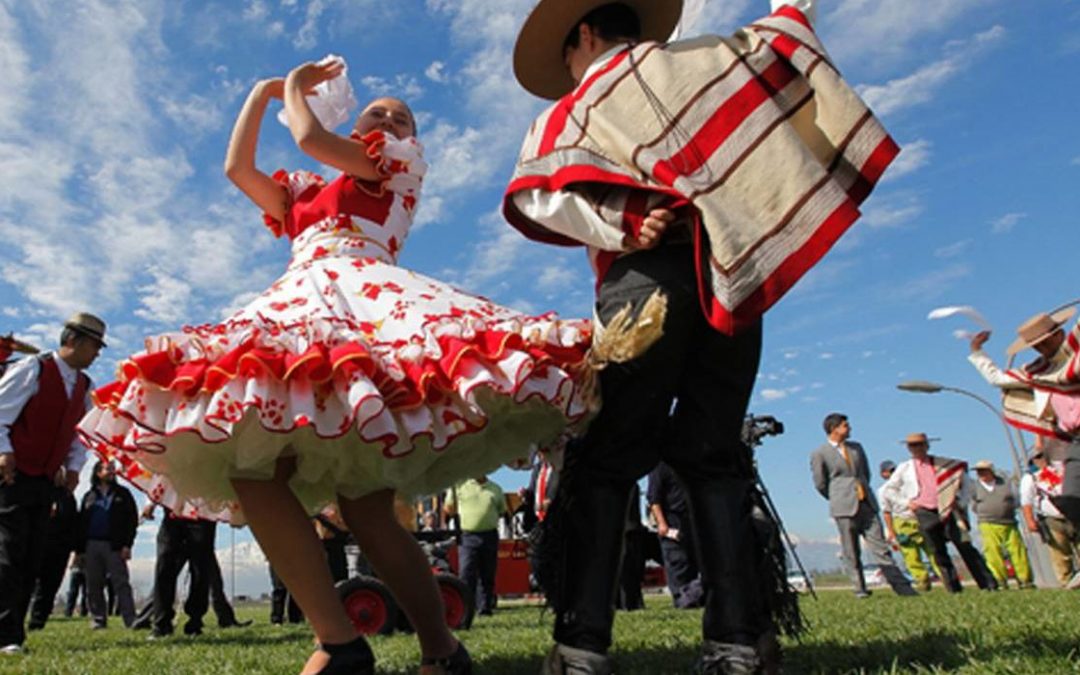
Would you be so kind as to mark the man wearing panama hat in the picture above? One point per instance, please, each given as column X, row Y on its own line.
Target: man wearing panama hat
column 41, row 401
column 709, row 174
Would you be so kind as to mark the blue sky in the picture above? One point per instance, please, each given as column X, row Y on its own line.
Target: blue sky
column 115, row 116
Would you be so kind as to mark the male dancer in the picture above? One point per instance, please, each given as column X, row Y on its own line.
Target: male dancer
column 701, row 174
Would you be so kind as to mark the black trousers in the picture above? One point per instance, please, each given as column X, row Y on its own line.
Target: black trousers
column 708, row 377
column 223, row 609
column 24, row 520
column 181, row 542
column 939, row 533
column 680, row 567
column 478, row 557
column 49, row 576
column 279, row 598
column 633, row 571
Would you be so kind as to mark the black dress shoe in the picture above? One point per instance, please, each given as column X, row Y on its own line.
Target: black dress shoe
column 351, row 658
column 458, row 663
column 192, row 629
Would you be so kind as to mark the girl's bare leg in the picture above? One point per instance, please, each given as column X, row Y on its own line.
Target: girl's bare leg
column 398, row 560
column 287, row 537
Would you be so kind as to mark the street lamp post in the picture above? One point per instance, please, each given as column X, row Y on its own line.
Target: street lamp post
column 1040, row 564
column 924, row 387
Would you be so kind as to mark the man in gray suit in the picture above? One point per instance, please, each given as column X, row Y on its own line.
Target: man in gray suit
column 842, row 475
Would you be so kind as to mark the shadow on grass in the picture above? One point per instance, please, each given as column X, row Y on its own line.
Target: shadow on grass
column 928, row 650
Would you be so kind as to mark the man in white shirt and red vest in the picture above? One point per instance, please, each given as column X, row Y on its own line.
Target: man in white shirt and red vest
column 703, row 184
column 41, row 401
column 937, row 490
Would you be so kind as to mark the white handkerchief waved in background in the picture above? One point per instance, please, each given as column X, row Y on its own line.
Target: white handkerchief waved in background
column 963, row 310
column 335, row 102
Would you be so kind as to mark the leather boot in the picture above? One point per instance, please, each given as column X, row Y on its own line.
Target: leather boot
column 593, row 551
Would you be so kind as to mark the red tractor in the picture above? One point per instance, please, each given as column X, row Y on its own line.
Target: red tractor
column 372, row 607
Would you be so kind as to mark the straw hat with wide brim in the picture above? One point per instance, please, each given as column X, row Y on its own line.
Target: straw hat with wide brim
column 1038, row 328
column 538, row 54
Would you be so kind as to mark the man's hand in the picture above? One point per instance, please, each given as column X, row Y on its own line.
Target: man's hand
column 1032, row 526
column 7, row 469
column 148, row 511
column 652, row 230
column 979, row 340
column 912, row 506
column 125, row 553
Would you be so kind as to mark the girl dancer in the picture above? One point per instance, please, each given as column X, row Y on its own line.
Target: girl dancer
column 348, row 379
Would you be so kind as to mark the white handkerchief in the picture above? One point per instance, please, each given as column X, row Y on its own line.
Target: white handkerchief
column 335, row 102
column 961, row 310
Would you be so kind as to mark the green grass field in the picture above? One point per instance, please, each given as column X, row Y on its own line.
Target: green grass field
column 1008, row 632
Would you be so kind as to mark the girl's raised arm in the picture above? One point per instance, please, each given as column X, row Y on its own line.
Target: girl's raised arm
column 268, row 194
column 346, row 154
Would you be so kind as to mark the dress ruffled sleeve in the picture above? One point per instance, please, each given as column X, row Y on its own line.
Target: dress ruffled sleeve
column 399, row 161
column 300, row 187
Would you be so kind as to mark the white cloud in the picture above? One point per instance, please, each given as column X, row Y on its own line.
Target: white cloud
column 913, row 157
column 436, row 72
column 1006, row 223
column 556, row 277
column 922, row 85
column 197, row 114
column 308, row 34
column 930, row 284
column 826, row 356
column 773, row 394
column 887, row 30
column 165, row 300
column 402, row 86
column 892, row 211
column 14, row 71
column 954, row 249
column 1075, row 161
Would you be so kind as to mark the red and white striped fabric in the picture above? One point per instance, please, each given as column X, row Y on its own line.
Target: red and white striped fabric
column 950, row 476
column 1060, row 378
column 758, row 132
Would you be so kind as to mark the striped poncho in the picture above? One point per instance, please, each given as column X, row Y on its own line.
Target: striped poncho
column 1059, row 377
column 757, row 132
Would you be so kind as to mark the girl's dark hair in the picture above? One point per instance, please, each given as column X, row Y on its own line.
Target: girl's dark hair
column 94, row 480
column 612, row 22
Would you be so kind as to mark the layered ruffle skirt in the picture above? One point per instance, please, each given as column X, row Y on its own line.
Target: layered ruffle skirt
column 370, row 375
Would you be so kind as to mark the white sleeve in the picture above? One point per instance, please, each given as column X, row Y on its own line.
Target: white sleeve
column 992, row 374
column 18, row 384
column 570, row 214
column 807, row 7
column 1027, row 490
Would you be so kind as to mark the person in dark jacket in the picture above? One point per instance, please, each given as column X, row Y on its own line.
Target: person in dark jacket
column 61, row 537
column 108, row 520
column 668, row 507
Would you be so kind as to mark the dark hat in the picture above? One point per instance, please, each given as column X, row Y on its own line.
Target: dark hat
column 538, row 54
column 887, row 465
column 88, row 325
